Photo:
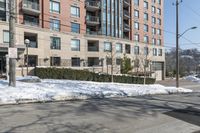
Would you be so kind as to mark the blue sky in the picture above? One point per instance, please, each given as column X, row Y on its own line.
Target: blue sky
column 189, row 16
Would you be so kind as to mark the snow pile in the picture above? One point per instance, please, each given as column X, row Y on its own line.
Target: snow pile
column 50, row 90
column 194, row 78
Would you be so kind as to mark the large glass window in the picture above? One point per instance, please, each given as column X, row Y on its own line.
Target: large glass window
column 75, row 61
column 54, row 6
column 55, row 43
column 55, row 24
column 55, row 61
column 136, row 13
column 75, row 27
column 154, row 51
column 136, row 2
column 146, row 16
column 159, row 52
column 128, row 49
column 6, row 36
column 107, row 46
column 146, row 50
column 119, row 48
column 146, row 39
column 137, row 37
column 136, row 50
column 136, row 25
column 75, row 45
column 75, row 11
column 146, row 28
column 145, row 4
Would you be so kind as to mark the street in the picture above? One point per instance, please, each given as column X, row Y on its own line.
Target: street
column 178, row 113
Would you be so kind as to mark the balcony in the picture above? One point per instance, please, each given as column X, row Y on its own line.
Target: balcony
column 92, row 20
column 31, row 8
column 91, row 32
column 126, row 15
column 126, row 28
column 92, row 5
column 30, row 20
column 126, row 3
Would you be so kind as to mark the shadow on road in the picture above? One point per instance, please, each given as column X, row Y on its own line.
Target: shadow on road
column 190, row 115
column 69, row 116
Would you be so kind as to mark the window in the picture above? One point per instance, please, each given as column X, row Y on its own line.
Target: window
column 153, row 1
column 136, row 25
column 159, row 31
column 154, row 51
column 128, row 49
column 159, row 42
column 75, row 28
column 146, row 50
column 146, row 28
column 159, row 52
column 75, row 62
column 145, row 5
column 93, row 61
column 136, row 2
column 159, row 2
column 159, row 11
column 146, row 39
column 32, row 60
column 55, row 43
column 108, row 61
column 146, row 16
column 136, row 50
column 118, row 61
column 136, row 63
column 54, row 6
column 153, row 41
column 153, row 20
column 159, row 21
column 107, row 47
column 6, row 36
column 55, row 61
column 153, row 9
column 136, row 14
column 32, row 38
column 75, row 11
column 55, row 24
column 119, row 48
column 93, row 46
column 137, row 37
column 75, row 45
column 153, row 30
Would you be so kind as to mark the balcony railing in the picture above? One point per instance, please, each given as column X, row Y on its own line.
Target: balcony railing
column 126, row 27
column 31, row 5
column 126, row 3
column 93, row 19
column 92, row 5
column 32, row 21
column 126, row 14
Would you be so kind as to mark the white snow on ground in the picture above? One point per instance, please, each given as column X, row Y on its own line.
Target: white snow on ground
column 50, row 90
column 193, row 78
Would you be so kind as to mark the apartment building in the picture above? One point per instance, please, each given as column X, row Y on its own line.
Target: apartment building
column 86, row 34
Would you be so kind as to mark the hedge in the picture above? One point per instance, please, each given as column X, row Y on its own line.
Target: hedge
column 85, row 75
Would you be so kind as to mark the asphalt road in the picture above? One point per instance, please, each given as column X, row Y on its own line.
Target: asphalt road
column 150, row 114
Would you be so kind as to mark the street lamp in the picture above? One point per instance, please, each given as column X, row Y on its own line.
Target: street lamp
column 177, row 53
column 27, row 42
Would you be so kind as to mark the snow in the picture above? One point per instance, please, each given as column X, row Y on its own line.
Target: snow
column 193, row 78
column 56, row 90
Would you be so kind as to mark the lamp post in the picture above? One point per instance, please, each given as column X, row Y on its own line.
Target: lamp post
column 177, row 53
column 27, row 42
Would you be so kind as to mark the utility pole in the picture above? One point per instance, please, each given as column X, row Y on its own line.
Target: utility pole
column 177, row 42
column 12, row 41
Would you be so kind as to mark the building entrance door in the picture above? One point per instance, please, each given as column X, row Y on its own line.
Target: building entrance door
column 2, row 64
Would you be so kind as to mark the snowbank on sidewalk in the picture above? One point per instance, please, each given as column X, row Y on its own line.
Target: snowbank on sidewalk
column 193, row 78
column 50, row 90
